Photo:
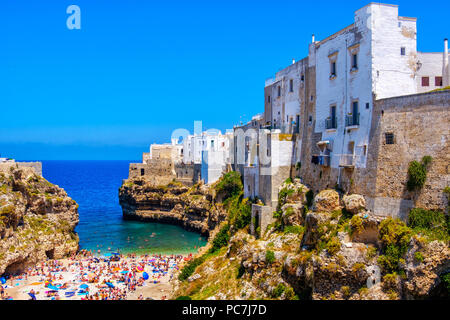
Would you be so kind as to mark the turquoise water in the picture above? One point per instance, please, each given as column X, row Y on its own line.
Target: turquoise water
column 94, row 185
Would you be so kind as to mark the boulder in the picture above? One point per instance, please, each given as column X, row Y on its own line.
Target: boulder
column 354, row 203
column 292, row 214
column 326, row 201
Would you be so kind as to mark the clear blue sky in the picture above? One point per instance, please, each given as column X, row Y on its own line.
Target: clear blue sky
column 139, row 69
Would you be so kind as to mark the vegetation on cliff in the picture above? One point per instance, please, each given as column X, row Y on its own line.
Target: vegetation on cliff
column 37, row 220
column 327, row 249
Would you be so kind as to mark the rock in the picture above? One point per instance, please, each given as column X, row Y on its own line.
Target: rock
column 190, row 208
column 326, row 201
column 354, row 203
column 423, row 276
column 292, row 214
column 37, row 221
column 194, row 277
column 312, row 222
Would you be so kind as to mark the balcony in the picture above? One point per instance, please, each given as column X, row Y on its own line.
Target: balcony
column 347, row 161
column 331, row 123
column 352, row 120
column 324, row 161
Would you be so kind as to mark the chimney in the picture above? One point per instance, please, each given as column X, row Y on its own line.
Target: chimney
column 313, row 38
column 445, row 67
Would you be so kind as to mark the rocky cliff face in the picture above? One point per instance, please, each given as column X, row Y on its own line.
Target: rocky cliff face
column 37, row 220
column 192, row 208
column 337, row 250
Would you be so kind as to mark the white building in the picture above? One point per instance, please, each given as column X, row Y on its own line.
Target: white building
column 212, row 150
column 374, row 58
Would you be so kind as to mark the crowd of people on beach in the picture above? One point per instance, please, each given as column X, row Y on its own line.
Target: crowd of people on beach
column 85, row 276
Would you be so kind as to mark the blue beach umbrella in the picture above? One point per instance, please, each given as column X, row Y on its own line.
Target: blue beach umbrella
column 124, row 271
column 109, row 284
column 3, row 280
column 52, row 287
column 84, row 286
column 145, row 275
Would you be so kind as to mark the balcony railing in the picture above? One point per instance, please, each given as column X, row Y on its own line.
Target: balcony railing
column 331, row 123
column 347, row 160
column 324, row 161
column 352, row 120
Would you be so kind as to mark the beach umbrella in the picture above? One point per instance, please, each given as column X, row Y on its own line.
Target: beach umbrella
column 109, row 284
column 52, row 287
column 124, row 271
column 35, row 283
column 3, row 280
column 145, row 275
column 84, row 286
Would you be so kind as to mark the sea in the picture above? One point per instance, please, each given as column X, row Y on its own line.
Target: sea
column 94, row 185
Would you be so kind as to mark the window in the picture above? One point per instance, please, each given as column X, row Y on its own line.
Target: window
column 389, row 138
column 302, row 78
column 291, row 85
column 279, row 91
column 438, row 81
column 354, row 61
column 367, row 105
column 268, row 99
column 142, row 172
column 333, row 69
column 212, row 144
column 403, row 51
column 425, row 81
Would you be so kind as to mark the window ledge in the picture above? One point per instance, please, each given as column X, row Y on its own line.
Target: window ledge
column 333, row 76
column 352, row 127
column 354, row 70
column 331, row 130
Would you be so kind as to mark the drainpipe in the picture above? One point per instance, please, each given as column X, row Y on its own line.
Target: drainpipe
column 445, row 71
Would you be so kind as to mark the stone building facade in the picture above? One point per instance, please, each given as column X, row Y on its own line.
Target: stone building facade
column 330, row 105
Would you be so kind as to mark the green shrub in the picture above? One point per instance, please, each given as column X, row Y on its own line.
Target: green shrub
column 433, row 224
column 190, row 267
column 240, row 211
column 333, row 246
column 221, row 239
column 294, row 229
column 270, row 257
column 395, row 237
column 445, row 278
column 229, row 185
column 417, row 173
column 419, row 256
column 183, row 298
column 278, row 291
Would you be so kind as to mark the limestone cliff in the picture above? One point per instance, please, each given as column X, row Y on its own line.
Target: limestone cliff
column 192, row 208
column 37, row 220
column 335, row 250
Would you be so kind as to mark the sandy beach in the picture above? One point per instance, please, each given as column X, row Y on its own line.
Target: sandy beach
column 86, row 277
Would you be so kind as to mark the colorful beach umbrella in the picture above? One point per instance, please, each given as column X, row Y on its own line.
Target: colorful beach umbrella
column 145, row 275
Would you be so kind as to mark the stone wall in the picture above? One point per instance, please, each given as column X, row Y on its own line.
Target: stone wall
column 420, row 125
column 159, row 171
column 188, row 174
column 35, row 166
